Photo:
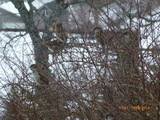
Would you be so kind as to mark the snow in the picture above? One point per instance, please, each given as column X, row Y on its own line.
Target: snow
column 10, row 7
column 16, row 55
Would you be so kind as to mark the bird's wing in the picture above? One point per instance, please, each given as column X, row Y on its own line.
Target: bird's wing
column 43, row 78
column 62, row 33
column 101, row 38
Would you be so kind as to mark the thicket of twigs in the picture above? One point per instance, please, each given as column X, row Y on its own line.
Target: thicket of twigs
column 86, row 82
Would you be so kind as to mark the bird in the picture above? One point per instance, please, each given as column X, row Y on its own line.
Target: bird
column 60, row 30
column 38, row 76
column 55, row 45
column 100, row 37
column 108, row 116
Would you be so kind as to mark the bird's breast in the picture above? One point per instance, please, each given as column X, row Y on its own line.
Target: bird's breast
column 36, row 76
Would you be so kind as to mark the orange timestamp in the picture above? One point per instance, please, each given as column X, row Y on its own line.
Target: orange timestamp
column 134, row 107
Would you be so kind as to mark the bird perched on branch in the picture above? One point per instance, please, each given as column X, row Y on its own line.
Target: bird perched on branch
column 60, row 30
column 38, row 75
column 100, row 37
column 55, row 45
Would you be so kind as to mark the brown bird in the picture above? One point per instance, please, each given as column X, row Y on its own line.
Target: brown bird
column 60, row 31
column 38, row 76
column 55, row 45
column 100, row 37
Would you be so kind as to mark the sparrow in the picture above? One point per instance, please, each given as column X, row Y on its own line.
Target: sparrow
column 60, row 30
column 108, row 116
column 38, row 76
column 100, row 37
column 55, row 45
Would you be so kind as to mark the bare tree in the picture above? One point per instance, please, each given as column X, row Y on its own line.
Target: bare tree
column 86, row 82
